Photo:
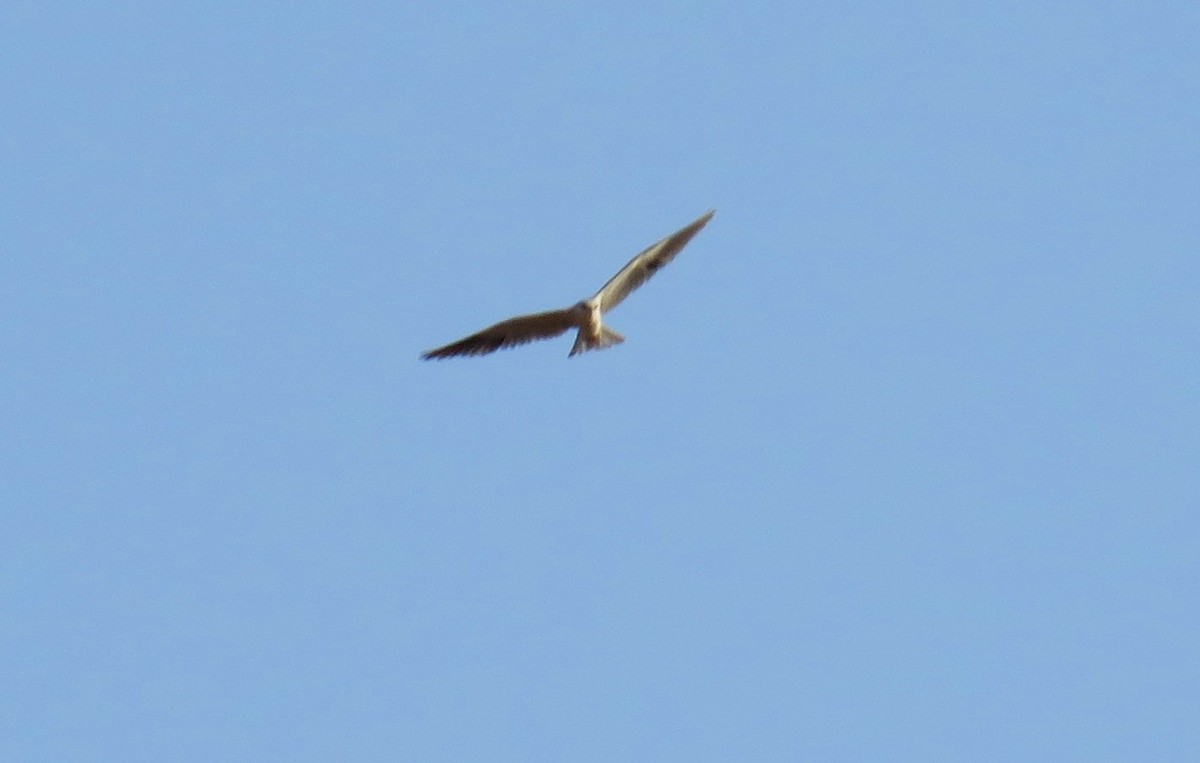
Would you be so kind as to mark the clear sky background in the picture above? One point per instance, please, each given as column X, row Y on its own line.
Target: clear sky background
column 900, row 461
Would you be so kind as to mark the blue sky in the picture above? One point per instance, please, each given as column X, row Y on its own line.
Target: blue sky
column 901, row 459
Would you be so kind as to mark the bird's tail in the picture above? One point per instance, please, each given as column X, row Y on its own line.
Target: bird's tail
column 585, row 342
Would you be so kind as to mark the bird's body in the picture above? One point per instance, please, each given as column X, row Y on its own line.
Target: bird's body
column 593, row 334
column 587, row 316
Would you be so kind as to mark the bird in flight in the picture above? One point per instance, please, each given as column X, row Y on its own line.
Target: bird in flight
column 585, row 315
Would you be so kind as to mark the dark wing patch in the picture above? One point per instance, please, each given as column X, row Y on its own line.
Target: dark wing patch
column 510, row 333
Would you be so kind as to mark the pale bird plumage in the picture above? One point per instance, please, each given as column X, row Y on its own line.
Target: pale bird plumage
column 586, row 316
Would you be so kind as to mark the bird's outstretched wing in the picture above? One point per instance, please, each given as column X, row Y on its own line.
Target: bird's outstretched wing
column 510, row 333
column 646, row 263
